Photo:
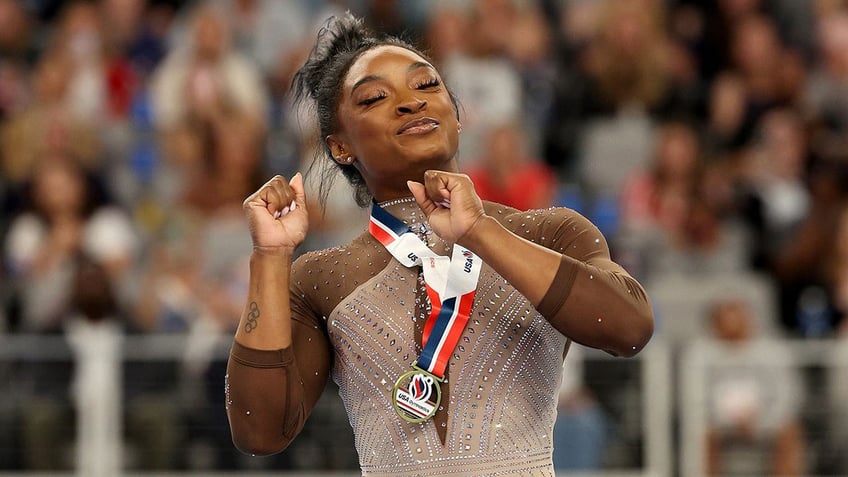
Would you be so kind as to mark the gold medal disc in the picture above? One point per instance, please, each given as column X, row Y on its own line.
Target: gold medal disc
column 416, row 395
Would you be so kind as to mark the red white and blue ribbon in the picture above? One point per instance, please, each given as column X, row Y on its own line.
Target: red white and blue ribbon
column 451, row 284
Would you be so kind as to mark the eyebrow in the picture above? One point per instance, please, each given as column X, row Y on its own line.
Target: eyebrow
column 364, row 80
column 367, row 79
column 420, row 64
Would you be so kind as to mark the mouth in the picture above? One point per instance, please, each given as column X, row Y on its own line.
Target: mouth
column 418, row 126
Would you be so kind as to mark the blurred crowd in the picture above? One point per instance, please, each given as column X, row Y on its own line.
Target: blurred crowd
column 707, row 140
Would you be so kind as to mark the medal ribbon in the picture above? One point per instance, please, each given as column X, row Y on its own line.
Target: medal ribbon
column 451, row 284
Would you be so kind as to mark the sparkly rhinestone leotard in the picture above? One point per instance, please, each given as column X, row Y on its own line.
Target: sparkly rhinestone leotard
column 358, row 316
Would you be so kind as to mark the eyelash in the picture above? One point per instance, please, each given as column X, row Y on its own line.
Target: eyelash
column 373, row 99
column 430, row 83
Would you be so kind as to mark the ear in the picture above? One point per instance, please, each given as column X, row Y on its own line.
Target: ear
column 340, row 151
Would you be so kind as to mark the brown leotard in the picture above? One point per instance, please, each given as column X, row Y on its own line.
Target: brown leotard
column 358, row 314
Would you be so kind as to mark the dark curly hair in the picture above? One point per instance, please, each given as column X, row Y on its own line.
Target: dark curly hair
column 340, row 41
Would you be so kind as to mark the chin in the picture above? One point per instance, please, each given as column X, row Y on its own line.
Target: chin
column 436, row 155
column 437, row 160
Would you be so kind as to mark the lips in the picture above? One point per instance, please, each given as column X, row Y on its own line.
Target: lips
column 418, row 126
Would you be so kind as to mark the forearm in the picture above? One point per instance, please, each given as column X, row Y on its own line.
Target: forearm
column 265, row 404
column 527, row 266
column 596, row 304
column 605, row 308
column 265, row 323
column 264, row 388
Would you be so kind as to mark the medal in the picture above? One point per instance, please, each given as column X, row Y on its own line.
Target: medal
column 416, row 395
column 451, row 283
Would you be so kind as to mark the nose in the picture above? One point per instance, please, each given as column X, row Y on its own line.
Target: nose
column 411, row 105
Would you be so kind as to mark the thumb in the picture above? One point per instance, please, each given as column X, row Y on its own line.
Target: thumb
column 296, row 183
column 420, row 193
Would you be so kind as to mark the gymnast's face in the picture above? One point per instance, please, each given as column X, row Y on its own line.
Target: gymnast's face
column 396, row 120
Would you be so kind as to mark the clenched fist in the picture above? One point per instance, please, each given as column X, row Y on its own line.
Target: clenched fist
column 450, row 203
column 276, row 215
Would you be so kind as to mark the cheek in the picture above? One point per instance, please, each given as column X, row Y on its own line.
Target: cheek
column 452, row 128
column 368, row 135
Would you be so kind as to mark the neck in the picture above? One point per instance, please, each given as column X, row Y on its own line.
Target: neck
column 402, row 200
column 396, row 187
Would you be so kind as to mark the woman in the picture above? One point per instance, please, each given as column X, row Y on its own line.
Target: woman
column 480, row 396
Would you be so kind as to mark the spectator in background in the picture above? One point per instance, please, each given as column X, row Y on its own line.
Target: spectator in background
column 201, row 91
column 629, row 60
column 728, row 127
column 507, row 174
column 47, row 126
column 571, row 26
column 123, row 27
column 210, row 108
column 580, row 431
column 660, row 197
column 482, row 75
column 826, row 91
column 772, row 75
column 773, row 177
column 719, row 19
column 800, row 265
column 628, row 77
column 666, row 220
column 265, row 30
column 754, row 397
column 144, row 430
column 147, row 45
column 17, row 54
column 78, row 38
column 838, row 272
column 17, row 32
column 62, row 219
column 446, row 32
column 530, row 51
column 93, row 326
column 207, row 76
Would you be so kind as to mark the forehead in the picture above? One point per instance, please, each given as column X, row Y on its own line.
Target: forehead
column 381, row 60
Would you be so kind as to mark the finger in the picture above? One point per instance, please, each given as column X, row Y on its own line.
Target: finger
column 261, row 197
column 437, row 184
column 299, row 199
column 275, row 198
column 427, row 206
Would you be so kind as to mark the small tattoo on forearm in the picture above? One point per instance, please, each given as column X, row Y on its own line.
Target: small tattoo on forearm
column 252, row 317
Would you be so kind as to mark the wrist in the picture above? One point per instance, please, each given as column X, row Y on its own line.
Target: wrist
column 272, row 254
column 476, row 235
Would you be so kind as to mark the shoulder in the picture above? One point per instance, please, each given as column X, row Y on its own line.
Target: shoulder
column 558, row 228
column 321, row 279
column 314, row 263
column 562, row 220
column 331, row 257
column 340, row 268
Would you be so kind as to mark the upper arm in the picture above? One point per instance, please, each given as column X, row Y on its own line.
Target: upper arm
column 590, row 285
column 570, row 233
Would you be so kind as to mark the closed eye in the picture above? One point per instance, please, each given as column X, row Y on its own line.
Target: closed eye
column 430, row 83
column 372, row 99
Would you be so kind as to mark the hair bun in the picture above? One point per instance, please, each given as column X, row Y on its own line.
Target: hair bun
column 339, row 40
